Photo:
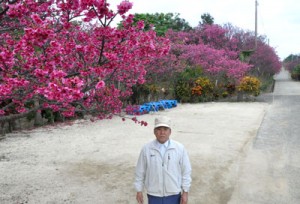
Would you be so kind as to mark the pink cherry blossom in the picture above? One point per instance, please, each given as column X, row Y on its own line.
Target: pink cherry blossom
column 100, row 84
column 124, row 6
column 56, row 61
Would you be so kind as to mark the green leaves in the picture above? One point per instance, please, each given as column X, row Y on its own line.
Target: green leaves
column 161, row 22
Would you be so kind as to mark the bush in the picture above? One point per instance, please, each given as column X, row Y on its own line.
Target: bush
column 183, row 91
column 250, row 85
column 230, row 88
column 184, row 83
column 202, row 89
column 267, row 84
column 296, row 73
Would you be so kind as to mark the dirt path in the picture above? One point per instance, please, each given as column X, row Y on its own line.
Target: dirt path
column 94, row 162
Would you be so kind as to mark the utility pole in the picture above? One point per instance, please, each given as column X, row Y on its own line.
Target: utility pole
column 256, row 4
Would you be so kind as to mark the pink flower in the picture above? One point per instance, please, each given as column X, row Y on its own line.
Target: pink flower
column 140, row 25
column 2, row 112
column 124, row 7
column 21, row 109
column 36, row 19
column 100, row 84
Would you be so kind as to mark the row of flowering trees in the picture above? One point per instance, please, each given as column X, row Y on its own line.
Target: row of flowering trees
column 65, row 57
column 225, row 55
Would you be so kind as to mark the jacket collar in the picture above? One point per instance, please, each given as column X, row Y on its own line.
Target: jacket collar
column 154, row 144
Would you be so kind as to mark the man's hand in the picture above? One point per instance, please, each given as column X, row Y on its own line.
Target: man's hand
column 184, row 198
column 139, row 197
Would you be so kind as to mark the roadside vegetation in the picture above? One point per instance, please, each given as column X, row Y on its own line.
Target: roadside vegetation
column 66, row 61
column 292, row 64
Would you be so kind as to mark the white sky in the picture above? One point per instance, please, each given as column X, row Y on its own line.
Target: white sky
column 279, row 20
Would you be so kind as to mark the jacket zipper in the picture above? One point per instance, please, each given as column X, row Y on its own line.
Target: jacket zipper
column 168, row 162
column 163, row 175
column 163, row 166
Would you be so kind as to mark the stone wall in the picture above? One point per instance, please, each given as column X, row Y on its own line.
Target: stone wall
column 19, row 124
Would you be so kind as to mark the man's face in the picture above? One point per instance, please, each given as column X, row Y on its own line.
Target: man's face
column 162, row 134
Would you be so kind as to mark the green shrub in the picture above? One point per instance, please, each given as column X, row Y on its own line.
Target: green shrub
column 267, row 84
column 184, row 83
column 183, row 91
column 296, row 73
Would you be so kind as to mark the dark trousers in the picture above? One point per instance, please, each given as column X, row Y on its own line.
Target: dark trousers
column 173, row 199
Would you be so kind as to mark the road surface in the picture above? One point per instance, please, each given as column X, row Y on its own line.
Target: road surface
column 270, row 173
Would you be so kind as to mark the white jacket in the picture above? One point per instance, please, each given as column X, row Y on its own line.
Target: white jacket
column 163, row 176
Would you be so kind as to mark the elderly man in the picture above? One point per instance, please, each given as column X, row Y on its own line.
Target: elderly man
column 163, row 168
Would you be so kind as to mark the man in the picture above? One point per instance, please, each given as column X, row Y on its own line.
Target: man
column 163, row 168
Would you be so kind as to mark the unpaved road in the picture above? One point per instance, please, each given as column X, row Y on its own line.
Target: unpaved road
column 94, row 162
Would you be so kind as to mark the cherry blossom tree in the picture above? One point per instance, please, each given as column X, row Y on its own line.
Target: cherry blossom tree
column 65, row 56
column 210, row 48
column 263, row 58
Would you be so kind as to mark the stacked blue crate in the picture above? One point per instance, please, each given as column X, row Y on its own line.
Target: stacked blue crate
column 154, row 106
column 144, row 109
column 169, row 103
column 174, row 103
column 165, row 104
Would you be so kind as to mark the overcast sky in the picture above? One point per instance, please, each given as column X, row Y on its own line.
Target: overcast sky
column 279, row 20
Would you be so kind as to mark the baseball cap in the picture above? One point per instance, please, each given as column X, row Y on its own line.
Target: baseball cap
column 162, row 121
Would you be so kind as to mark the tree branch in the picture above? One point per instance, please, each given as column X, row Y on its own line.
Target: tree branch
column 18, row 116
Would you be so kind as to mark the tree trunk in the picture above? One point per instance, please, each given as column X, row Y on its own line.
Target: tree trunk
column 51, row 120
column 2, row 128
column 38, row 120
